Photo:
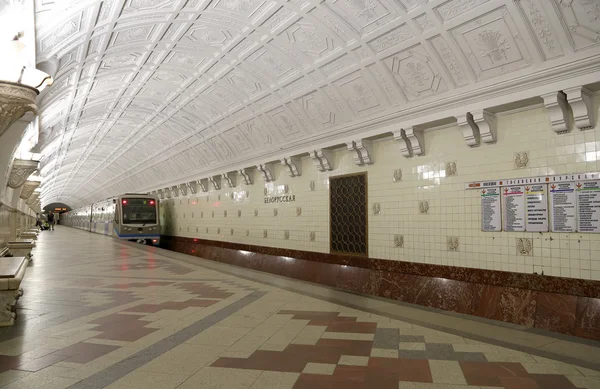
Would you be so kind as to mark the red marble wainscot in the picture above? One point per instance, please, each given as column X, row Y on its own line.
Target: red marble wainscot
column 511, row 305
column 587, row 320
column 556, row 312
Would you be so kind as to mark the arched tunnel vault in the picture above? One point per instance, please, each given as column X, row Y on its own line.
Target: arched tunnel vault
column 57, row 207
column 149, row 92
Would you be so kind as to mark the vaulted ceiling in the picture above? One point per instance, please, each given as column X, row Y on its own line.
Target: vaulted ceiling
column 148, row 91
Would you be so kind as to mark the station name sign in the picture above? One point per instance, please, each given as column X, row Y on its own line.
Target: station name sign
column 280, row 199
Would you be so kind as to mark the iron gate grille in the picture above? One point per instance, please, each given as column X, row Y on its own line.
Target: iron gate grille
column 348, row 214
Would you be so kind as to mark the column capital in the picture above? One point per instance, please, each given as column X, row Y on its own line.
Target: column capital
column 15, row 101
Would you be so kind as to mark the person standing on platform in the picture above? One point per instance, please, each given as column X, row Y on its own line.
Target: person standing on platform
column 51, row 220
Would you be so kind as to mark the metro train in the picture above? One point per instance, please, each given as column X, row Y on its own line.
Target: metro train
column 131, row 216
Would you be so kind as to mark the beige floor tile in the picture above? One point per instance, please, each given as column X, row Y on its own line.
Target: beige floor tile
column 347, row 336
column 13, row 375
column 184, row 359
column 107, row 342
column 585, row 382
column 475, row 348
column 588, row 372
column 550, row 368
column 248, row 344
column 499, row 357
column 221, row 378
column 275, row 380
column 422, row 385
column 37, row 380
column 309, row 335
column 319, row 368
column 411, row 346
column 353, row 360
column 447, row 372
column 384, row 353
column 219, row 336
column 148, row 380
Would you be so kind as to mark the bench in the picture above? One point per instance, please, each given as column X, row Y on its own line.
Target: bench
column 28, row 235
column 21, row 248
column 12, row 270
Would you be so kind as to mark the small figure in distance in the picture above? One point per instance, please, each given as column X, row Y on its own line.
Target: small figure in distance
column 51, row 220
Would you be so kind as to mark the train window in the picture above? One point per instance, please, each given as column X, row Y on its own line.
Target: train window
column 139, row 211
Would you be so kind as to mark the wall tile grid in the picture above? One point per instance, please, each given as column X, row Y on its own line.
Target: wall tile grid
column 452, row 211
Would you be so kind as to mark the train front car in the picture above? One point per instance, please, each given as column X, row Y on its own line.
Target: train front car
column 136, row 218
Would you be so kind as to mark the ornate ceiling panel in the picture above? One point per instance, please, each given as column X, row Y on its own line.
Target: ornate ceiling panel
column 149, row 90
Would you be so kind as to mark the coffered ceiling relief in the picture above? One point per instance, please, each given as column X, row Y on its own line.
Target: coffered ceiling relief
column 149, row 90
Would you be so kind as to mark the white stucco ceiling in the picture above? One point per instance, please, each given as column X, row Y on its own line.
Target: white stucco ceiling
column 152, row 90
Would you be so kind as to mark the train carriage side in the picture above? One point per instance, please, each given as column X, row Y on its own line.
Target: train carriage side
column 136, row 218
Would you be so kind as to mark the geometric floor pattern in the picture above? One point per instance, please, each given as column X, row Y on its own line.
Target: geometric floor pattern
column 100, row 314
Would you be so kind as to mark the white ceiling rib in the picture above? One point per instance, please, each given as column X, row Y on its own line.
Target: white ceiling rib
column 153, row 89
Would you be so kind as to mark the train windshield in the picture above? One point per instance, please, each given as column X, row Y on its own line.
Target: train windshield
column 139, row 211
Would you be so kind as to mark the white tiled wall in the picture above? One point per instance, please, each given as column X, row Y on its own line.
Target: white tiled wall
column 453, row 211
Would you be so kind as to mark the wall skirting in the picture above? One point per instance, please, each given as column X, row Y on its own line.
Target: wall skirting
column 564, row 305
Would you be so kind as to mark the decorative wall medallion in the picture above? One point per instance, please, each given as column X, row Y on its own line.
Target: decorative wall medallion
column 218, row 231
column 247, row 232
column 298, row 211
column 521, row 159
column 311, row 186
column 286, row 235
column 399, row 241
column 524, row 246
column 231, row 232
column 256, row 212
column 452, row 243
column 451, row 169
column 266, row 191
column 201, row 214
column 196, row 229
column 397, row 177
column 207, row 230
column 239, row 213
column 424, row 207
column 265, row 233
column 376, row 209
column 275, row 212
column 313, row 236
column 219, row 197
column 224, row 213
column 213, row 213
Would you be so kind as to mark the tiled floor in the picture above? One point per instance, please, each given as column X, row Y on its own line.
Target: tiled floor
column 97, row 313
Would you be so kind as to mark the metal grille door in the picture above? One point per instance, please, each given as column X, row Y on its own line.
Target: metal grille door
column 348, row 214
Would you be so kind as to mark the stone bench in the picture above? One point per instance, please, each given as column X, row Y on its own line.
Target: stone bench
column 12, row 270
column 28, row 235
column 21, row 248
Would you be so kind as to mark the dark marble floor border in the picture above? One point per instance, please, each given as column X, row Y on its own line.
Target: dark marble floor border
column 562, row 305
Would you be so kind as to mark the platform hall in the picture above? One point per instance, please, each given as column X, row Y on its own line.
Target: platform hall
column 339, row 194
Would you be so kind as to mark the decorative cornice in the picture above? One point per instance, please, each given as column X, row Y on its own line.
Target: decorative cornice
column 580, row 99
column 266, row 172
column 415, row 140
column 21, row 170
column 175, row 190
column 245, row 176
column 293, row 166
column 168, row 193
column 28, row 188
column 183, row 189
column 486, row 123
column 229, row 179
column 15, row 101
column 469, row 130
column 558, row 110
column 192, row 186
column 323, row 159
column 216, row 182
column 161, row 194
column 360, row 150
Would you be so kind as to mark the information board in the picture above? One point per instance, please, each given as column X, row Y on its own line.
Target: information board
column 588, row 206
column 513, row 208
column 563, row 207
column 491, row 214
column 536, row 208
